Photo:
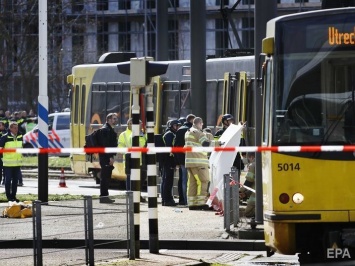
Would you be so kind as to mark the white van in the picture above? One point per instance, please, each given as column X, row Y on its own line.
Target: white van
column 58, row 132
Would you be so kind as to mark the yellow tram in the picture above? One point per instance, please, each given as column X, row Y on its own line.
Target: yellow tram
column 309, row 100
column 98, row 89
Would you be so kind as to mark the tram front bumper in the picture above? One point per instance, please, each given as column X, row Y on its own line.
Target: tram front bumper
column 280, row 237
column 280, row 227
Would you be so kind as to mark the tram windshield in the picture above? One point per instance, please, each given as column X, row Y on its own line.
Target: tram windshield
column 315, row 81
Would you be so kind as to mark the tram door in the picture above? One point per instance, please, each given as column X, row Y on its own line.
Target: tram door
column 238, row 100
column 78, row 113
column 234, row 95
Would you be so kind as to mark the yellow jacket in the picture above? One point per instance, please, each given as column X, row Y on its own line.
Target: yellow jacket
column 125, row 139
column 12, row 159
column 194, row 138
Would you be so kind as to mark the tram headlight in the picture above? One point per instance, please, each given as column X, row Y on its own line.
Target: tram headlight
column 284, row 198
column 298, row 198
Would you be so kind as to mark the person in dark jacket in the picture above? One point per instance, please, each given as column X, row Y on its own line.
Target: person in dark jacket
column 107, row 138
column 169, row 165
column 180, row 158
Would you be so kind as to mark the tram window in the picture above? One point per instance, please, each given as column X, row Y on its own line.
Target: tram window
column 176, row 100
column 110, row 87
column 99, row 87
column 155, row 98
column 185, row 86
column 114, row 87
column 117, row 87
column 113, row 102
column 267, row 105
column 219, row 100
column 185, row 99
column 170, row 101
column 340, row 77
column 212, row 101
column 234, row 99
column 76, row 105
column 126, row 87
column 306, row 135
column 125, row 106
column 83, row 95
column 240, row 100
column 98, row 104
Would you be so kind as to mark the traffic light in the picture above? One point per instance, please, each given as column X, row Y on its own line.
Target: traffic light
column 337, row 3
column 124, row 68
column 142, row 69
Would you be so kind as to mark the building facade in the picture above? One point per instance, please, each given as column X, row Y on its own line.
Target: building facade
column 80, row 31
column 122, row 25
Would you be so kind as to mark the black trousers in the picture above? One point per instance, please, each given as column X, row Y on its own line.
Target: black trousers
column 167, row 184
column 106, row 172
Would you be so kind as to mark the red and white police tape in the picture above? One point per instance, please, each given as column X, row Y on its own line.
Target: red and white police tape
column 150, row 150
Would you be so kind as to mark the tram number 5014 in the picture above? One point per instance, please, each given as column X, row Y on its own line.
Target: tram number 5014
column 288, row 167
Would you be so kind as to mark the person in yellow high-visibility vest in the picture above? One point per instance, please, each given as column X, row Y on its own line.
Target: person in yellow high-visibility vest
column 12, row 161
column 197, row 166
column 125, row 141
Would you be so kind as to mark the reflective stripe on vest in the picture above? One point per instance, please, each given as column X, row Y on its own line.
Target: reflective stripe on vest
column 194, row 138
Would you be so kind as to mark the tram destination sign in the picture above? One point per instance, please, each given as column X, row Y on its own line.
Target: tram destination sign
column 315, row 36
column 330, row 36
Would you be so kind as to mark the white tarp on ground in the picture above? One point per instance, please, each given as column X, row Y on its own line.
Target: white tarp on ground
column 222, row 161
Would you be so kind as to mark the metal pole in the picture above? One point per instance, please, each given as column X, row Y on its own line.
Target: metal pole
column 264, row 11
column 90, row 223
column 86, row 231
column 43, row 103
column 162, row 37
column 130, row 211
column 34, row 233
column 135, row 167
column 198, row 58
column 38, row 234
column 145, row 28
column 152, row 176
column 235, row 196
column 227, row 202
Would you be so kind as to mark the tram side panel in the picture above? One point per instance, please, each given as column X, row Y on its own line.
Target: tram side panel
column 99, row 89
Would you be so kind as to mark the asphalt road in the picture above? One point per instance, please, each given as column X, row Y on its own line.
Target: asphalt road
column 185, row 237
column 73, row 187
column 179, row 229
column 202, row 231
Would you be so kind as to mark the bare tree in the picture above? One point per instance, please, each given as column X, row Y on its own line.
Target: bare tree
column 19, row 55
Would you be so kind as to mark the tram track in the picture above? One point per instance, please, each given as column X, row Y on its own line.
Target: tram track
column 53, row 172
